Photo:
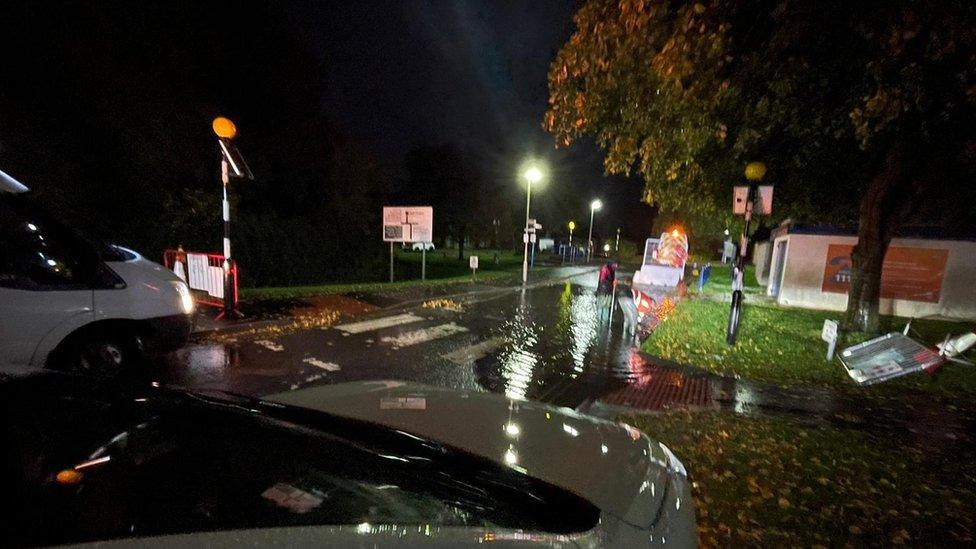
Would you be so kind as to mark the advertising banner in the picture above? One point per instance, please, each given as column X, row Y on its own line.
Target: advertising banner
column 910, row 274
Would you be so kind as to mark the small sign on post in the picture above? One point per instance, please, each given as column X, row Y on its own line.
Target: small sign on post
column 829, row 334
column 473, row 263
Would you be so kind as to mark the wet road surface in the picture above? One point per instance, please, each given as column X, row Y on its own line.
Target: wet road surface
column 556, row 343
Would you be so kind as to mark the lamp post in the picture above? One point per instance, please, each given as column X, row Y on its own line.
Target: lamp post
column 532, row 175
column 594, row 206
column 572, row 251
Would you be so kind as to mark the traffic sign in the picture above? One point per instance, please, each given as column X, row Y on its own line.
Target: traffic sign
column 408, row 224
column 829, row 334
column 764, row 200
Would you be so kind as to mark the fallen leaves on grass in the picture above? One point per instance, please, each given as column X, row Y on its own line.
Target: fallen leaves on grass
column 775, row 482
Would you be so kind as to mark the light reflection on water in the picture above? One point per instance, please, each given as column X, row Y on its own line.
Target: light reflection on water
column 554, row 350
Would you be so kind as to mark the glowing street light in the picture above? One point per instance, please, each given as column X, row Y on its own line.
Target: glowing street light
column 532, row 174
column 594, row 206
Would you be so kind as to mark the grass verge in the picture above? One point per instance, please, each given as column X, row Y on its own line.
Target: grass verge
column 292, row 292
column 774, row 482
column 783, row 346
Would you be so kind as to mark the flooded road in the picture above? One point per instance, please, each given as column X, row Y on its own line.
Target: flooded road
column 556, row 343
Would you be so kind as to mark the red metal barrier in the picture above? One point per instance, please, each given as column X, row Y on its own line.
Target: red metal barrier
column 199, row 270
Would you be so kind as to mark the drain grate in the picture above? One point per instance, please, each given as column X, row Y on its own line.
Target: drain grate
column 656, row 388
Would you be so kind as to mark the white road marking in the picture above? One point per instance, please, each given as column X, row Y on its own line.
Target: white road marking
column 378, row 323
column 474, row 352
column 270, row 345
column 424, row 335
column 330, row 366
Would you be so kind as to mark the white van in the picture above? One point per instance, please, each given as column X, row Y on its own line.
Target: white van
column 67, row 302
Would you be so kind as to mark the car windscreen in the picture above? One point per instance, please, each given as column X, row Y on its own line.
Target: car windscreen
column 28, row 211
column 152, row 468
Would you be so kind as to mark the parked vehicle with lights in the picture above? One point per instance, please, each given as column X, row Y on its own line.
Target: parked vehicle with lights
column 68, row 302
column 364, row 464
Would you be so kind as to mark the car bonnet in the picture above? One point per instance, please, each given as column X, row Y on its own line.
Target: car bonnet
column 611, row 465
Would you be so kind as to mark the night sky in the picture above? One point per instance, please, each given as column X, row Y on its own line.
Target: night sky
column 409, row 73
column 118, row 96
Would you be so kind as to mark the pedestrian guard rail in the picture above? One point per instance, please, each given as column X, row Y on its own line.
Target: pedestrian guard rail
column 203, row 272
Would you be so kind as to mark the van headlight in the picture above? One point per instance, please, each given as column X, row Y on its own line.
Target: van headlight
column 186, row 298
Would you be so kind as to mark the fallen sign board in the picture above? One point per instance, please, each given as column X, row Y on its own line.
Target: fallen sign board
column 887, row 357
column 408, row 224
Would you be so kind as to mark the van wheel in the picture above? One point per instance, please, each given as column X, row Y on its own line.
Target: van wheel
column 106, row 356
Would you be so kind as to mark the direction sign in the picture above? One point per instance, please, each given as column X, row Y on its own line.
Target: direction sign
column 408, row 224
column 764, row 202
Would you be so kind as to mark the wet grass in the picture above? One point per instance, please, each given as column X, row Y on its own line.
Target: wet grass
column 720, row 281
column 774, row 482
column 296, row 292
column 783, row 346
column 443, row 268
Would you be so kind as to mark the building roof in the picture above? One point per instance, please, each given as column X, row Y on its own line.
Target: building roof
column 910, row 231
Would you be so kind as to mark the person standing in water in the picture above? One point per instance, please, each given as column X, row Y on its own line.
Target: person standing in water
column 604, row 286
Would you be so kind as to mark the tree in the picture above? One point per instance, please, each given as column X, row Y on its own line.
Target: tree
column 864, row 103
column 444, row 177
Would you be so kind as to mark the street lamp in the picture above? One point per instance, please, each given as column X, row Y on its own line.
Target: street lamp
column 532, row 175
column 572, row 251
column 594, row 206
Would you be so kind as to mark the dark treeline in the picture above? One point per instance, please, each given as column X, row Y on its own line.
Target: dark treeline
column 105, row 112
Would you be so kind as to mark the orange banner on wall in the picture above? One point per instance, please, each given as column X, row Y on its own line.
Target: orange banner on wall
column 911, row 274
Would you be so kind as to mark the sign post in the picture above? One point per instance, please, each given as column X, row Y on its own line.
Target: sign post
column 829, row 334
column 746, row 200
column 473, row 263
column 408, row 224
column 232, row 164
column 423, row 262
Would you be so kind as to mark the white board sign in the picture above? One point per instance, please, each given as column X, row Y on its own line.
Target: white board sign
column 408, row 224
column 829, row 334
column 765, row 202
column 473, row 261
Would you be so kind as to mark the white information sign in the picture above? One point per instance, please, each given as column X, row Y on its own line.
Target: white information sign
column 765, row 202
column 829, row 334
column 408, row 224
column 473, row 261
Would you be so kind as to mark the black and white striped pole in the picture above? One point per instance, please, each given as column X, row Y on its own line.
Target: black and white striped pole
column 231, row 165
column 230, row 308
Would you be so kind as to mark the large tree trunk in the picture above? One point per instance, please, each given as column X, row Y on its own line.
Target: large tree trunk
column 884, row 205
